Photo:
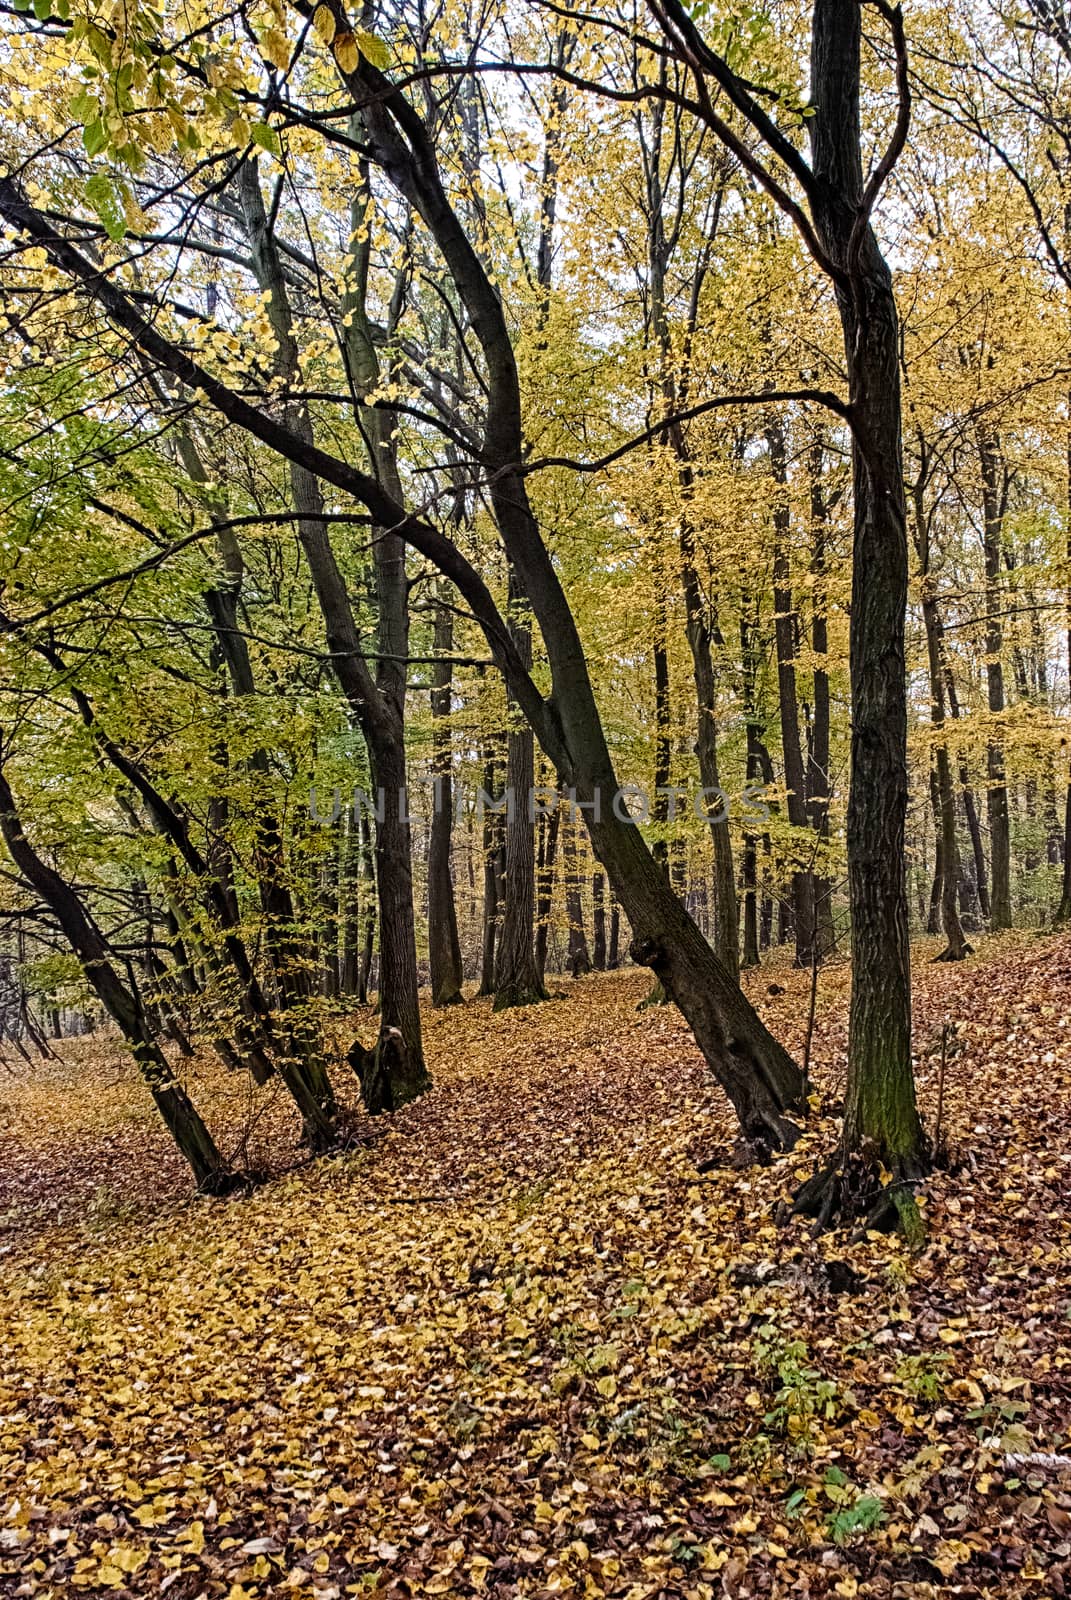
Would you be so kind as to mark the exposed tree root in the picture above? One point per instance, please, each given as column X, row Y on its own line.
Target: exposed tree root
column 389, row 1078
column 657, row 997
column 854, row 1189
column 955, row 952
column 509, row 998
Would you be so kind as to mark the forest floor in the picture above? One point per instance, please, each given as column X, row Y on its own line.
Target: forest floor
column 516, row 1343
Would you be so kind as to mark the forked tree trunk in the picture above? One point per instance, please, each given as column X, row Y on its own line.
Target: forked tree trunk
column 393, row 1071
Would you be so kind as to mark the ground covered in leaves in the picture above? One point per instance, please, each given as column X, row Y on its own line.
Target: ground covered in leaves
column 524, row 1340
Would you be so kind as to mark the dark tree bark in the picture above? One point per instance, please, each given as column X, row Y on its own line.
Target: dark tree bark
column 517, row 978
column 181, row 1116
column 493, row 867
column 579, row 957
column 881, row 1113
column 598, row 921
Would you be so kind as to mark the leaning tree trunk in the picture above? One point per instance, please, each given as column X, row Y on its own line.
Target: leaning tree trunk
column 181, row 1116
column 761, row 1080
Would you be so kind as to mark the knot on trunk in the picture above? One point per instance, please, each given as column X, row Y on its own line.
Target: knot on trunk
column 646, row 952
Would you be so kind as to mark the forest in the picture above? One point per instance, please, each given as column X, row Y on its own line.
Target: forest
column 535, row 798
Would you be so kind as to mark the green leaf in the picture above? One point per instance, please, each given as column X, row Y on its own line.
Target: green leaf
column 84, row 107
column 106, row 201
column 94, row 137
column 42, row 9
column 265, row 137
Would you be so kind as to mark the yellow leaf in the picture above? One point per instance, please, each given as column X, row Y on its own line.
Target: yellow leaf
column 607, row 1386
column 346, row 53
column 373, row 49
column 323, row 20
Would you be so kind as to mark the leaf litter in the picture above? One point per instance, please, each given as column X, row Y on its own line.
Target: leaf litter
column 541, row 1334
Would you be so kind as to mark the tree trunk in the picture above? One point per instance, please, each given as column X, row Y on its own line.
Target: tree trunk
column 993, row 504
column 785, row 639
column 579, row 958
column 598, row 921
column 881, row 1114
column 549, row 828
column 517, row 979
column 493, row 852
column 393, row 1072
column 444, row 946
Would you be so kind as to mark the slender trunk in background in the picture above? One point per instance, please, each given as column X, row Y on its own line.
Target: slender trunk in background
column 970, row 809
column 368, row 909
column 549, row 828
column 787, row 647
column 598, row 922
column 1063, row 913
column 517, row 978
column 493, row 853
column 613, row 957
column 933, row 918
column 818, row 780
column 749, row 627
column 578, row 959
column 994, row 497
column 444, row 945
column 943, row 790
